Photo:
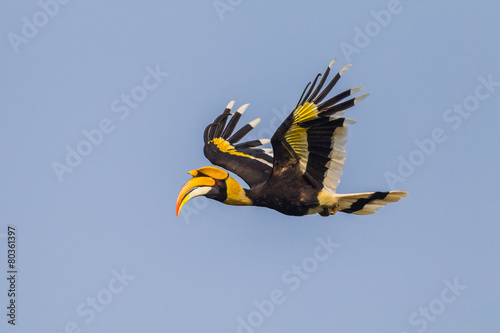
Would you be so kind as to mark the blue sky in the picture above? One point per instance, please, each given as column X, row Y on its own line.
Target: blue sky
column 132, row 85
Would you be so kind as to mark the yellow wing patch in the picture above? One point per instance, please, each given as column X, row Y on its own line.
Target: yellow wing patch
column 226, row 147
column 305, row 112
column 296, row 136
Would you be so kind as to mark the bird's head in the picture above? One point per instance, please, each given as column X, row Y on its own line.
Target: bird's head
column 213, row 183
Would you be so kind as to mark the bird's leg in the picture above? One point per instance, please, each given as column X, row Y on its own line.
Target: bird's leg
column 334, row 209
column 325, row 212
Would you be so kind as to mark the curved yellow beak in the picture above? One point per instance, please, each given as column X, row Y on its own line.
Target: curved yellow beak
column 188, row 191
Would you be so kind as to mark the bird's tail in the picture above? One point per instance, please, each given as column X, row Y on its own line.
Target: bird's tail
column 367, row 203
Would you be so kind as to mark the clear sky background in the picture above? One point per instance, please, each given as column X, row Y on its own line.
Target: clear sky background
column 99, row 249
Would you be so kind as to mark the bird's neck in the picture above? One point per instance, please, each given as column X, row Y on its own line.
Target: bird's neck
column 237, row 195
column 256, row 197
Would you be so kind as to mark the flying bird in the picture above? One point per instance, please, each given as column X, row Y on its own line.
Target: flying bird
column 302, row 171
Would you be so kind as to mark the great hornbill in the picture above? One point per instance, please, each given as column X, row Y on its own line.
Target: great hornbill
column 301, row 173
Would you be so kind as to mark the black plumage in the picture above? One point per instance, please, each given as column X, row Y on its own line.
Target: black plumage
column 302, row 173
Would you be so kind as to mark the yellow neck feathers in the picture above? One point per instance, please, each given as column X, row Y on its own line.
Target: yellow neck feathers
column 236, row 195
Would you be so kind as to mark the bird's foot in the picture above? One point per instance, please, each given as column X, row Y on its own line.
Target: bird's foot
column 334, row 209
column 325, row 212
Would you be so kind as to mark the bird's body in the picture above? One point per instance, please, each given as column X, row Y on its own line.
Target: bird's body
column 288, row 193
column 301, row 174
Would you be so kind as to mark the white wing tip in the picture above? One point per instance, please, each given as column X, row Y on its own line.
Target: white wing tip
column 230, row 105
column 268, row 151
column 332, row 62
column 360, row 98
column 349, row 121
column 264, row 141
column 254, row 122
column 356, row 89
column 242, row 108
column 346, row 67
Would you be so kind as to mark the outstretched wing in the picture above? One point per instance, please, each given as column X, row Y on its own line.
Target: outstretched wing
column 254, row 165
column 312, row 138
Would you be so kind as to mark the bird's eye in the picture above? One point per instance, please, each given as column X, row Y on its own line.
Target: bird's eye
column 218, row 183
